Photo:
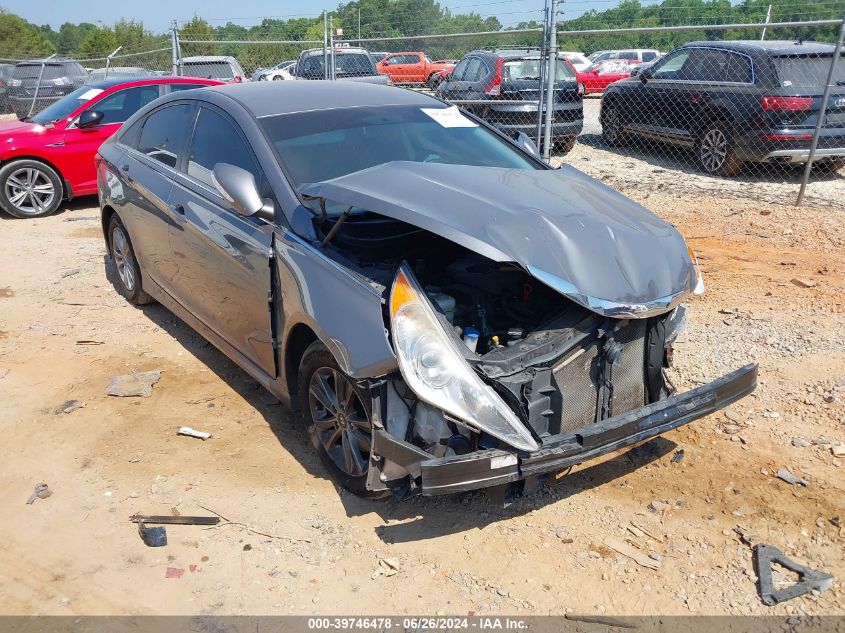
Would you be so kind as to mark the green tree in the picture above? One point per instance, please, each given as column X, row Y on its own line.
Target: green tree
column 20, row 39
column 98, row 43
column 197, row 29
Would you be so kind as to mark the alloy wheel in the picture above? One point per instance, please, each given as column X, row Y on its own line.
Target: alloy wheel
column 713, row 151
column 610, row 126
column 340, row 421
column 30, row 191
column 123, row 260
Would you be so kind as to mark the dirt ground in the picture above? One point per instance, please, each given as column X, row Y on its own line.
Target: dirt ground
column 296, row 544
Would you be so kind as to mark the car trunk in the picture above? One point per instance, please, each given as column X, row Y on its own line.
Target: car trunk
column 804, row 77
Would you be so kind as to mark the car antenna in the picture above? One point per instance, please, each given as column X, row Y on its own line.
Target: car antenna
column 336, row 226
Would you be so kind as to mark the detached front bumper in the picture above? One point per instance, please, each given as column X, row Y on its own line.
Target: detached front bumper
column 496, row 467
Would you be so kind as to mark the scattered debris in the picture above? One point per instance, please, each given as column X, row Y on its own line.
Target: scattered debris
column 746, row 535
column 732, row 415
column 174, row 520
column 247, row 547
column 253, row 530
column 658, row 506
column 800, row 442
column 187, row 430
column 68, row 406
column 89, row 342
column 174, row 572
column 631, row 552
column 600, row 619
column 678, row 457
column 134, row 458
column 42, row 491
column 387, row 567
column 786, row 475
column 808, row 579
column 70, row 272
column 153, row 536
column 838, row 450
column 135, row 384
column 802, row 282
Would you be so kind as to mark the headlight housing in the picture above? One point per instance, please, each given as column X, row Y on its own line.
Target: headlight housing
column 433, row 366
column 699, row 280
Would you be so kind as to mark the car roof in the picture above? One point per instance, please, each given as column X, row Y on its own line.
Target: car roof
column 774, row 47
column 145, row 81
column 286, row 97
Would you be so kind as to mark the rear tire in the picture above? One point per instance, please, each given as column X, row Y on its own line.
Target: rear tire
column 829, row 165
column 128, row 281
column 715, row 150
column 29, row 189
column 337, row 415
column 612, row 127
column 566, row 145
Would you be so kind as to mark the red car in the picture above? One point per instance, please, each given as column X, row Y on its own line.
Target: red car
column 50, row 157
column 599, row 76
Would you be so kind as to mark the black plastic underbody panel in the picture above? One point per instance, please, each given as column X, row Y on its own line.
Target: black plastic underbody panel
column 486, row 468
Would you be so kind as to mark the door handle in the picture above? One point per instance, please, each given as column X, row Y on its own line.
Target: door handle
column 124, row 168
column 178, row 208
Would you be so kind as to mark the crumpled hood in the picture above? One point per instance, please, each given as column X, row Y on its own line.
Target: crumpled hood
column 569, row 230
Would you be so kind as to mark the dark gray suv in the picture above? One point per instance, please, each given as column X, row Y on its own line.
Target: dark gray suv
column 445, row 310
column 57, row 80
column 733, row 102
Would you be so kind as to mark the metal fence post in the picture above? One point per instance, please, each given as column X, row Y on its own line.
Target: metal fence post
column 108, row 60
column 325, row 43
column 331, row 48
column 38, row 85
column 175, row 52
column 543, row 58
column 837, row 53
column 550, row 82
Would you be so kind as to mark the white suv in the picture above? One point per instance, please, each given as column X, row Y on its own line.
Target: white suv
column 637, row 54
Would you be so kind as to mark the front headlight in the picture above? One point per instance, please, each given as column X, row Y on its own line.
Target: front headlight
column 699, row 280
column 434, row 368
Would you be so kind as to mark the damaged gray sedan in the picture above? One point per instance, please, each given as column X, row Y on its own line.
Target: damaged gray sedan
column 446, row 311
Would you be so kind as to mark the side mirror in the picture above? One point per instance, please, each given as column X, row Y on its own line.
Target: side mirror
column 238, row 188
column 644, row 75
column 525, row 142
column 90, row 118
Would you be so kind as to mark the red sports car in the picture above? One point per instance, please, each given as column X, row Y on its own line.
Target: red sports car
column 599, row 76
column 50, row 157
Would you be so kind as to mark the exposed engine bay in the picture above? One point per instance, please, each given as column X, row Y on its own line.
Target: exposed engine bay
column 558, row 365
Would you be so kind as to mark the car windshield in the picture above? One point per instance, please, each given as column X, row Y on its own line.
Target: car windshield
column 65, row 106
column 346, row 65
column 808, row 72
column 208, row 70
column 318, row 146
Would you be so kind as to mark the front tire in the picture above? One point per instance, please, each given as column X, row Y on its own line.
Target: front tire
column 29, row 189
column 337, row 415
column 715, row 150
column 128, row 271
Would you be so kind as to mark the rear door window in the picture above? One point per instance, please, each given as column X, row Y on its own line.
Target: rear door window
column 460, row 69
column 706, row 64
column 216, row 141
column 476, row 70
column 739, row 69
column 118, row 107
column 165, row 132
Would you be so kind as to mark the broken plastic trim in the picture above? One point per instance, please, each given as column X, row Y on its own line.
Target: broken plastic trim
column 809, row 579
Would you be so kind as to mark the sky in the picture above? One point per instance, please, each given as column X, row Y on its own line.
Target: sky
column 157, row 14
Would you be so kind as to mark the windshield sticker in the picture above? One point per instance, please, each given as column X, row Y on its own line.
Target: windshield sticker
column 90, row 94
column 449, row 117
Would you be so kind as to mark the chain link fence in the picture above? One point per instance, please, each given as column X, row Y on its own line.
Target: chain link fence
column 732, row 109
